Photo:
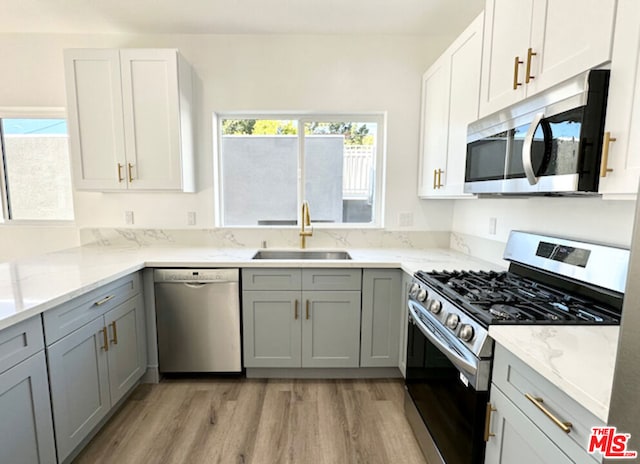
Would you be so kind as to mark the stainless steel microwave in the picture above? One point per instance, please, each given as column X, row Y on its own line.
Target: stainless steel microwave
column 550, row 144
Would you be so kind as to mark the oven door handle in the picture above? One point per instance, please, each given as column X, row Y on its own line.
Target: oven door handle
column 527, row 150
column 463, row 364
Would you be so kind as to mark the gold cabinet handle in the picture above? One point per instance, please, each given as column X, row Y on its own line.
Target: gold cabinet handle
column 605, row 154
column 307, row 309
column 487, row 423
column 440, row 171
column 105, row 339
column 104, row 300
column 130, row 167
column 528, row 76
column 435, row 177
column 120, row 178
column 564, row 426
column 516, row 65
column 295, row 310
column 114, row 340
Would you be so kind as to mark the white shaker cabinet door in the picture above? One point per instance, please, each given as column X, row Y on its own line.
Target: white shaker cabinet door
column 622, row 168
column 506, row 40
column 151, row 118
column 96, row 128
column 568, row 37
column 435, row 116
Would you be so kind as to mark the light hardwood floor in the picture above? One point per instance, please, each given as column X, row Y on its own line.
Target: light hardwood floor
column 241, row 421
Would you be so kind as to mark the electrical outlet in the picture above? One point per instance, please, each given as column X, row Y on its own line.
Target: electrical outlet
column 128, row 217
column 405, row 219
column 191, row 218
column 492, row 225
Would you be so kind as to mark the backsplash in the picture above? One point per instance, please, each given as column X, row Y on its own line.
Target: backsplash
column 274, row 238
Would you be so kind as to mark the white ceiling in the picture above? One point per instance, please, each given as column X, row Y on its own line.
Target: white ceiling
column 396, row 17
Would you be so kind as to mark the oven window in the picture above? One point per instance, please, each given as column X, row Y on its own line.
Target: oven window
column 453, row 413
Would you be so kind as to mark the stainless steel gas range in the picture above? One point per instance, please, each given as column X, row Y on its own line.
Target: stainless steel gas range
column 550, row 280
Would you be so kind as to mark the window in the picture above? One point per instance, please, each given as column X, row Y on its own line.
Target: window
column 35, row 168
column 269, row 165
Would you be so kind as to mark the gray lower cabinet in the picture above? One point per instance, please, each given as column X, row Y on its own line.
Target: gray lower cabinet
column 272, row 331
column 301, row 317
column 517, row 439
column 407, row 279
column 92, row 368
column 381, row 308
column 523, row 432
column 331, row 329
column 26, row 430
column 78, row 372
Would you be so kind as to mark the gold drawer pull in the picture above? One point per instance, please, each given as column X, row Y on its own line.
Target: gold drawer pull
column 435, row 177
column 130, row 174
column 516, row 65
column 487, row 423
column 605, row 154
column 537, row 401
column 528, row 76
column 104, row 300
column 105, row 339
column 115, row 333
column 120, row 178
column 295, row 311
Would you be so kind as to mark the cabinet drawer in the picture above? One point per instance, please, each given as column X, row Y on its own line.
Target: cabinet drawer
column 70, row 316
column 332, row 279
column 516, row 379
column 20, row 341
column 271, row 279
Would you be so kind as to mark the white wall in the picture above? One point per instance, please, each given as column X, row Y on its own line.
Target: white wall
column 606, row 221
column 21, row 241
column 244, row 73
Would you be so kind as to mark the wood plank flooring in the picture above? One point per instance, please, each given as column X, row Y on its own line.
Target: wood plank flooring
column 244, row 421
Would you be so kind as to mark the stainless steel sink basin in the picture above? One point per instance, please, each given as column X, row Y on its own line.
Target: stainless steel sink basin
column 301, row 254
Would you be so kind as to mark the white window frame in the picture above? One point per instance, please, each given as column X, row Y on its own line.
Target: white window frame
column 27, row 113
column 380, row 118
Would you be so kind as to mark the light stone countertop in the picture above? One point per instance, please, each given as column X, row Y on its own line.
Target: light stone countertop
column 566, row 356
column 30, row 286
column 579, row 360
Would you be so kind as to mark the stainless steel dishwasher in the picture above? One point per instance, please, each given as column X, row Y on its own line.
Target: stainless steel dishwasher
column 198, row 319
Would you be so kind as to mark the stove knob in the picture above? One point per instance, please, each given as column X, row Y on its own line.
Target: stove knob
column 422, row 294
column 452, row 321
column 413, row 290
column 435, row 306
column 466, row 332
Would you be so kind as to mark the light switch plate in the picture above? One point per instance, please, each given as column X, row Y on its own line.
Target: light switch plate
column 492, row 225
column 191, row 218
column 128, row 217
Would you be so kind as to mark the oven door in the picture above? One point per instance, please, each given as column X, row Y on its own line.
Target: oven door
column 452, row 410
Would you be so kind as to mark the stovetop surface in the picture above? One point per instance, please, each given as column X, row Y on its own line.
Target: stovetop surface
column 507, row 298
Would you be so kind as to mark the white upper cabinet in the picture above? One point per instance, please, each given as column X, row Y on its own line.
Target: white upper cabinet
column 450, row 90
column 621, row 157
column 532, row 45
column 130, row 119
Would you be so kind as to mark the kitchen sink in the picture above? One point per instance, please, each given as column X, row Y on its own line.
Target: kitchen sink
column 301, row 254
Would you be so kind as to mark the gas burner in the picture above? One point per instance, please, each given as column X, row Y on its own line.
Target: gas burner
column 509, row 298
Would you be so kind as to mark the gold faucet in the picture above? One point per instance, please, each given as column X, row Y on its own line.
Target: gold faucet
column 305, row 221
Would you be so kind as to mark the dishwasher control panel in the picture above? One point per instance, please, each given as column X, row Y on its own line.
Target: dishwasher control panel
column 195, row 275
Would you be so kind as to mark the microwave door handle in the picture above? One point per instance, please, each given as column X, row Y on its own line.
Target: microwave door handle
column 527, row 150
